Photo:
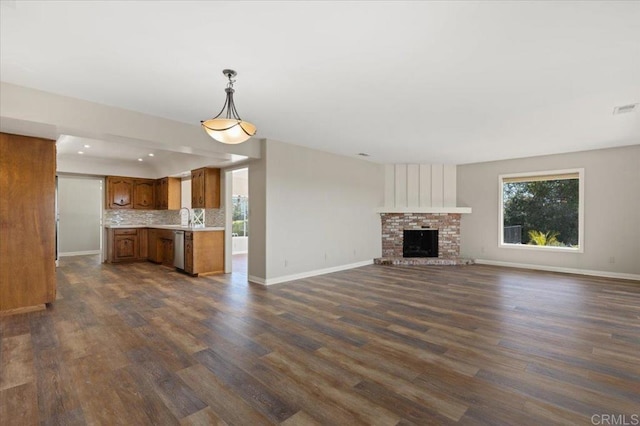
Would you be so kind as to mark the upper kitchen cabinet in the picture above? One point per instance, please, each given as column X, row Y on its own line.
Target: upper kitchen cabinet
column 144, row 194
column 27, row 215
column 168, row 193
column 205, row 188
column 130, row 193
column 119, row 192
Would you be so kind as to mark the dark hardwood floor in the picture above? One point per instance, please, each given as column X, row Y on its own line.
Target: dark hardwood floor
column 138, row 344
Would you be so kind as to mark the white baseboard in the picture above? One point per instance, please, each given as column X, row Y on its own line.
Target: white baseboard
column 78, row 253
column 292, row 277
column 257, row 280
column 605, row 274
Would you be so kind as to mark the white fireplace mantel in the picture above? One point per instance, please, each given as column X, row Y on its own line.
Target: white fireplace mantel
column 461, row 210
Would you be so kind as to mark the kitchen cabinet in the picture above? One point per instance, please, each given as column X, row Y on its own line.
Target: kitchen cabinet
column 168, row 193
column 144, row 194
column 143, row 243
column 203, row 249
column 152, row 246
column 119, row 192
column 27, row 215
column 205, row 188
column 160, row 246
column 188, row 252
column 123, row 245
column 130, row 193
column 204, row 252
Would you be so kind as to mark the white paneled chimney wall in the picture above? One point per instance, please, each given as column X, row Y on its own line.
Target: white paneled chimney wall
column 420, row 185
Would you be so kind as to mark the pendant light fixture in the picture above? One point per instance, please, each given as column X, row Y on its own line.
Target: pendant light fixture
column 227, row 127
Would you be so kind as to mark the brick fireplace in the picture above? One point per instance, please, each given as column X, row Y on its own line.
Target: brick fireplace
column 447, row 224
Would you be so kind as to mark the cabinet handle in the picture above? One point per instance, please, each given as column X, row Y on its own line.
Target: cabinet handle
column 121, row 201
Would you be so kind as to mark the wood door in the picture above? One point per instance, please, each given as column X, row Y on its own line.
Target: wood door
column 143, row 243
column 125, row 247
column 167, row 252
column 188, row 253
column 174, row 193
column 158, row 195
column 164, row 193
column 143, row 194
column 119, row 192
column 197, row 189
column 27, row 218
column 212, row 188
column 152, row 246
column 205, row 188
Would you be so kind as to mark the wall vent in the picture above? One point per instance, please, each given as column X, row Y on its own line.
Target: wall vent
column 625, row 108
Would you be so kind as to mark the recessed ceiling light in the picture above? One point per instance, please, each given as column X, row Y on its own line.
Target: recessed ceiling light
column 363, row 154
column 624, row 108
column 151, row 154
column 80, row 152
column 87, row 146
column 140, row 159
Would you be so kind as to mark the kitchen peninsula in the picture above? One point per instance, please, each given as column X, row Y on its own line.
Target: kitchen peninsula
column 202, row 247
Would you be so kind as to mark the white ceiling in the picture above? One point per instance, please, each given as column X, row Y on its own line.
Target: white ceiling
column 406, row 82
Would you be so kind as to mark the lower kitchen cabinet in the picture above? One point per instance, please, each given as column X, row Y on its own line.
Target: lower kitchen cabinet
column 167, row 251
column 204, row 252
column 160, row 242
column 203, row 249
column 123, row 245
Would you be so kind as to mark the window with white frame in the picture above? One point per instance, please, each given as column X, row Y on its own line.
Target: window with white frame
column 542, row 210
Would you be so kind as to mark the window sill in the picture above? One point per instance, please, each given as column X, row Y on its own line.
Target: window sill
column 542, row 248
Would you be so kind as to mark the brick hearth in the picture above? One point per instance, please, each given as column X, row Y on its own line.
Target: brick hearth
column 447, row 224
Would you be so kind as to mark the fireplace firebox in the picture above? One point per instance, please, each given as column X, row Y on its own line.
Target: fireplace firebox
column 420, row 243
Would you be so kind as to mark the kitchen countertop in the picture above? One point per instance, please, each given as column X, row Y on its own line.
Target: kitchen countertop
column 177, row 227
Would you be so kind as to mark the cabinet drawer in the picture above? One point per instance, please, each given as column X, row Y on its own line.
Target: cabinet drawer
column 125, row 232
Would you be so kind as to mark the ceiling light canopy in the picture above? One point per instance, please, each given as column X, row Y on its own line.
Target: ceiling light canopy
column 227, row 127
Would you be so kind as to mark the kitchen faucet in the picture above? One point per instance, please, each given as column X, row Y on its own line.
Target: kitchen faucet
column 188, row 216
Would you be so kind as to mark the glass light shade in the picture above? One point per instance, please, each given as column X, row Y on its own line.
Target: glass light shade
column 229, row 130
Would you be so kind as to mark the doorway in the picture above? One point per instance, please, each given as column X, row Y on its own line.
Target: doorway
column 79, row 206
column 238, row 200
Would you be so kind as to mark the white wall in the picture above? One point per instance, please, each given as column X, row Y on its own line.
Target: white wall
column 257, row 256
column 612, row 211
column 80, row 210
column 318, row 210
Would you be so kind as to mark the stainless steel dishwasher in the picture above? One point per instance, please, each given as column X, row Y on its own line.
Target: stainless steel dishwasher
column 178, row 249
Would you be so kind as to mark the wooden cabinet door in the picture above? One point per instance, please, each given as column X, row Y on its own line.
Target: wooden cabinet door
column 158, row 195
column 143, row 244
column 167, row 252
column 119, row 192
column 197, row 189
column 143, row 194
column 162, row 194
column 188, row 253
column 205, row 188
column 152, row 246
column 212, row 188
column 125, row 247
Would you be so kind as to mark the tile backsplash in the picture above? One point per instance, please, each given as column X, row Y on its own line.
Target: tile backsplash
column 213, row 217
